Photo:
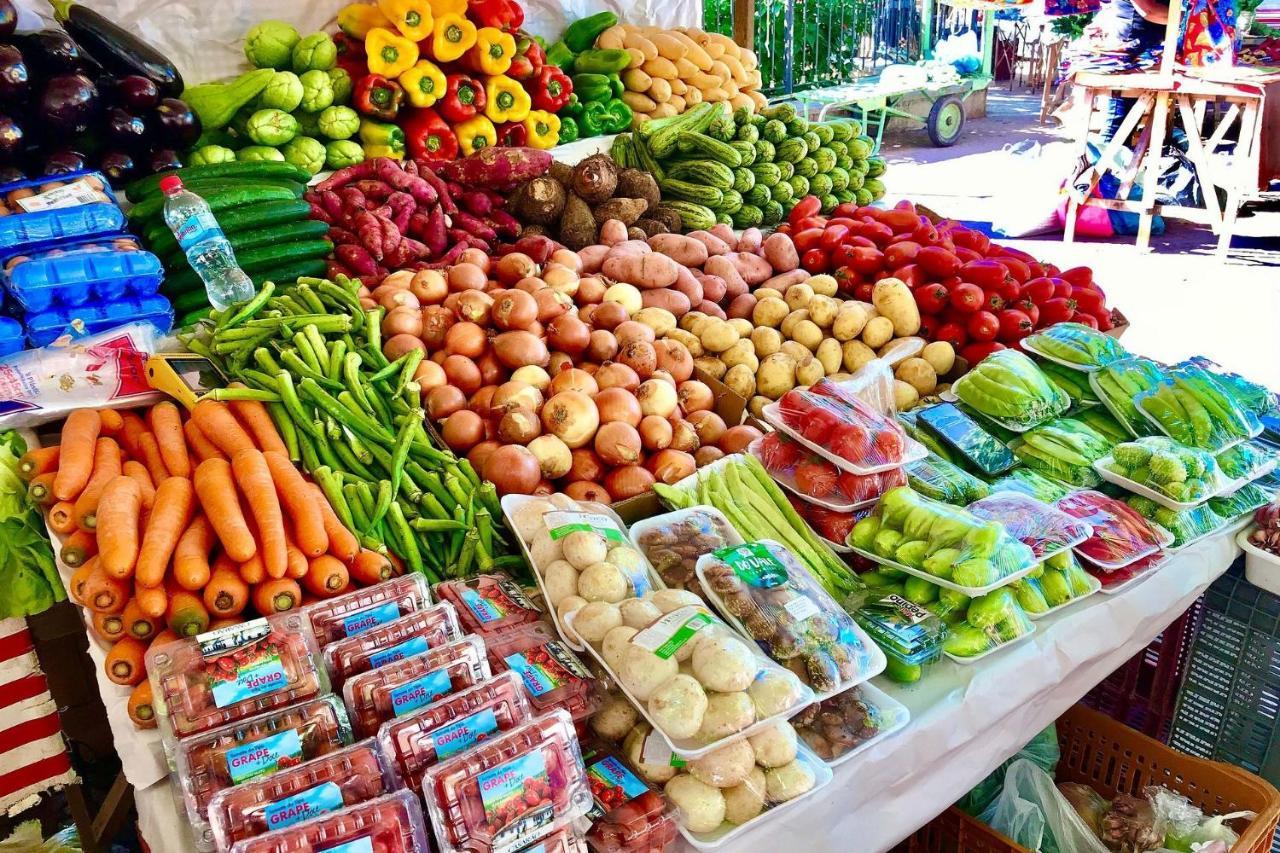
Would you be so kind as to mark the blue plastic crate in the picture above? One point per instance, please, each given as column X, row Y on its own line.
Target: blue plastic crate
column 77, row 274
column 28, row 232
column 11, row 337
column 44, row 327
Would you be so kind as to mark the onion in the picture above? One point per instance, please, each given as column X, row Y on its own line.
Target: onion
column 574, row 379
column 736, row 439
column 602, row 346
column 590, row 291
column 514, row 309
column 707, row 455
column 429, row 375
column 618, row 443
column 516, row 395
column 585, row 312
column 585, row 465
column 491, row 370
column 571, row 417
column 480, row 453
column 657, row 398
column 519, row 348
column 627, row 482
column 674, row 358
column 402, row 321
column 515, row 266
column 551, row 304
column 532, row 374
column 439, row 356
column 664, row 377
column 519, row 426
column 566, row 258
column 655, row 432
column 436, row 322
column 545, row 487
column 558, row 362
column 608, row 315
column 683, row 436
column 618, row 404
column 630, row 330
column 513, row 469
column 531, row 284
column 398, row 345
column 695, row 396
column 481, row 402
column 626, row 295
column 429, row 286
column 707, row 424
column 554, row 456
column 466, row 277
column 462, row 430
column 444, row 401
column 475, row 306
column 585, row 490
column 465, row 339
column 391, row 297
column 671, row 466
column 475, row 257
column 463, row 373
column 568, row 334
column 561, row 279
column 398, row 280
column 640, row 356
column 613, row 374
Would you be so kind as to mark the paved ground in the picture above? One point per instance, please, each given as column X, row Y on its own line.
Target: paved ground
column 1180, row 299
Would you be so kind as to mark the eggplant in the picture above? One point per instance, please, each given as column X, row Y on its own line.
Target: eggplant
column 15, row 81
column 176, row 123
column 124, row 130
column 135, row 93
column 12, row 139
column 11, row 174
column 64, row 161
column 54, row 52
column 69, row 103
column 163, row 160
column 120, row 167
column 8, row 18
column 119, row 51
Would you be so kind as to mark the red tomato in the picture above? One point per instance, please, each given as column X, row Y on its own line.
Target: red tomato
column 807, row 206
column 931, row 298
column 816, row 479
column 966, row 255
column 967, row 298
column 1051, row 270
column 993, row 301
column 974, row 353
column 784, row 228
column 1007, row 289
column 1032, row 310
column 901, row 253
column 911, row 274
column 969, row 239
column 841, row 220
column 905, row 204
column 846, row 208
column 807, row 239
column 901, row 221
column 1087, row 319
column 928, row 327
column 1014, row 325
column 846, row 279
column 1082, row 276
column 833, row 236
column 951, row 282
column 954, row 334
column 815, row 260
column 811, row 222
column 859, row 240
column 925, row 233
column 1056, row 310
column 819, row 423
column 880, row 233
column 850, row 441
column 862, row 292
column 938, row 262
column 1037, row 269
column 982, row 326
column 1038, row 289
column 984, row 273
column 866, row 261
column 1088, row 299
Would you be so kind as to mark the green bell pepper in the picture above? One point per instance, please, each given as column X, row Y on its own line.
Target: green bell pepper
column 609, row 61
column 591, row 87
column 616, row 86
column 595, row 115
column 568, row 129
column 617, row 117
column 560, row 55
column 572, row 107
column 582, row 33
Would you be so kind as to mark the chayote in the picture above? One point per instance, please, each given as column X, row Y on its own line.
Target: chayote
column 207, row 155
column 270, row 44
column 317, row 91
column 271, row 127
column 305, row 152
column 314, row 52
column 342, row 153
column 339, row 122
column 342, row 85
column 259, row 152
column 283, row 92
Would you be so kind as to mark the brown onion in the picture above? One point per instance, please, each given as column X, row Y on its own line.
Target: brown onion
column 585, row 312
column 657, row 398
column 532, row 374
column 585, row 490
column 463, row 373
column 707, row 455
column 628, row 481
column 571, row 417
column 535, row 328
column 560, row 279
column 707, row 424
column 558, row 362
column 398, row 280
column 551, row 304
column 674, row 358
column 618, row 443
column 671, row 466
column 481, row 402
column 735, row 439
column 398, row 345
column 391, row 298
column 566, row 258
column 590, row 291
column 554, row 456
column 608, row 315
column 618, row 404
column 519, row 426
column 444, row 401
column 491, row 370
column 664, row 376
column 429, row 375
column 573, row 379
column 655, row 432
column 630, row 330
column 568, row 334
column 475, row 257
column 475, row 306
column 531, row 284
column 602, row 346
column 585, row 465
column 436, row 322
column 683, row 436
column 613, row 374
column 515, row 266
column 518, row 348
column 466, row 277
column 514, row 309
column 402, row 321
column 545, row 487
column 480, row 453
column 640, row 356
column 513, row 469
column 429, row 286
column 439, row 356
column 517, row 395
column 462, row 430
column 465, row 339
column 695, row 396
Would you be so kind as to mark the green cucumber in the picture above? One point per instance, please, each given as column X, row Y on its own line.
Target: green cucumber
column 221, row 199
column 246, row 218
column 237, row 169
column 208, row 186
column 255, row 261
column 271, row 235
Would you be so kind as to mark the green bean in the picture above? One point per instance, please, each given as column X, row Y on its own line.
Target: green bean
column 307, row 354
column 250, row 308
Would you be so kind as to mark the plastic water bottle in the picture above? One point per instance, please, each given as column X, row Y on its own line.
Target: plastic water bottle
column 200, row 236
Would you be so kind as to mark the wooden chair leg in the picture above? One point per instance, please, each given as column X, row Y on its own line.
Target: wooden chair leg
column 1200, row 162
column 1159, row 126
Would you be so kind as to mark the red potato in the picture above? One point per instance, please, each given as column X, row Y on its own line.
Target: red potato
column 715, row 245
column 668, row 299
column 781, row 282
column 714, row 287
column 753, row 268
column 711, row 309
column 685, row 251
column 742, row 306
column 780, row 252
column 689, row 286
column 723, row 267
column 613, row 232
column 725, row 233
column 751, row 240
column 592, row 257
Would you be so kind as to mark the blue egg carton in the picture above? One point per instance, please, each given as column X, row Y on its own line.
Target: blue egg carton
column 79, row 274
column 30, row 231
column 11, row 337
column 46, row 326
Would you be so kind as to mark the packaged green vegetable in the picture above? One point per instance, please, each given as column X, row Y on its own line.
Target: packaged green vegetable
column 1064, row 450
column 1031, row 483
column 1180, row 474
column 936, row 478
column 1118, row 385
column 1192, row 407
column 1075, row 345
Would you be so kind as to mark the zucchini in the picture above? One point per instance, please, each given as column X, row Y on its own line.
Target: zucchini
column 704, row 146
column 242, row 241
column 236, row 169
column 707, row 172
column 250, row 217
column 693, row 217
column 644, row 159
column 229, row 198
column 254, row 262
column 696, row 193
column 660, row 134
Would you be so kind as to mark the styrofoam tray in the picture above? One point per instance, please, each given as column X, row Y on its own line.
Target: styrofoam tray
column 1256, row 474
column 873, row 695
column 788, row 482
column 913, row 451
column 1094, row 586
column 1027, row 344
column 1083, row 528
column 644, row 525
column 1254, row 432
column 1172, row 549
column 1261, row 568
column 971, row 591
column 1133, row 581
column 1148, row 492
column 972, row 660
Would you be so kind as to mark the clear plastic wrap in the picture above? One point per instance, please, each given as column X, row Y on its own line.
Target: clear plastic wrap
column 552, row 675
column 1247, row 461
column 1254, row 397
column 231, row 673
column 1240, row 503
column 391, row 641
column 627, row 814
column 235, row 754
column 104, row 270
column 489, row 604
column 1120, row 534
column 1073, row 383
column 356, row 612
column 871, row 384
column 832, row 526
column 346, row 777
column 1160, row 469
column 940, row 543
column 848, row 432
column 991, row 622
column 1044, row 528
column 840, row 727
column 1009, row 389
column 403, row 687
column 1191, row 407
column 673, row 542
column 936, row 478
column 453, row 725
column 1059, row 583
column 1034, row 485
column 1075, row 345
column 567, row 840
column 509, row 791
column 1063, row 450
column 909, row 635
column 389, row 824
column 1186, row 525
column 765, row 592
column 811, row 477
column 1118, row 386
column 1118, row 580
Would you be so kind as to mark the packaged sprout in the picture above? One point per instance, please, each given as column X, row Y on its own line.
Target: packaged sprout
column 936, row 478
column 1028, row 482
column 1075, row 345
column 764, row 591
column 552, row 674
column 1120, row 534
column 388, row 824
column 1063, row 450
column 837, row 728
column 848, row 432
column 940, row 543
column 1161, row 469
column 1042, row 527
column 673, row 542
column 813, row 478
column 356, row 612
column 910, row 635
column 1243, row 501
column 991, row 621
column 391, row 641
column 1186, row 525
column 1059, row 582
column 1247, row 461
column 489, row 604
column 1008, row 388
column 1118, row 386
column 1191, row 407
column 403, row 687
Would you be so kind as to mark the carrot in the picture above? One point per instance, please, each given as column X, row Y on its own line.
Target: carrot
column 153, row 600
column 186, row 615
column 370, row 567
column 40, row 489
column 62, row 517
column 166, row 424
column 108, row 626
column 137, row 471
column 126, row 662
column 221, row 427
column 149, row 455
column 327, row 576
column 215, row 624
column 297, row 567
column 217, row 494
column 342, row 542
column 191, row 554
column 252, row 570
column 106, row 466
column 138, row 624
column 103, row 593
column 253, row 478
column 117, row 525
column 225, row 594
column 201, row 446
column 175, row 500
column 163, row 636
column 133, row 428
column 37, row 461
column 80, row 577
column 299, row 502
column 141, row 710
column 75, row 461
column 112, row 422
column 276, row 596
column 78, row 548
column 258, row 421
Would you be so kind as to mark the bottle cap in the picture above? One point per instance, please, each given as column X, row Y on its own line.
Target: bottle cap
column 169, row 183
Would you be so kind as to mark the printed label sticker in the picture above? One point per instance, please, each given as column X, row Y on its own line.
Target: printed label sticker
column 360, row 621
column 400, row 651
column 304, row 805
column 264, row 756
column 464, row 733
column 420, row 692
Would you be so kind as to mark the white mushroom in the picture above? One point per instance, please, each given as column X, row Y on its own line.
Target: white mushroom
column 639, row 613
column 701, row 806
column 774, row 692
column 667, row 600
column 724, row 664
column 677, row 706
column 727, row 714
column 614, row 644
column 544, row 550
column 595, row 619
column 603, row 582
column 725, row 767
column 615, row 717
column 527, row 519
column 584, row 547
column 560, row 580
column 641, row 671
column 744, row 801
column 633, row 747
column 776, row 745
column 788, row 781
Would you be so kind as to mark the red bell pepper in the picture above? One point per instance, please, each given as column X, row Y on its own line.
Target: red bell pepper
column 428, row 136
column 463, row 98
column 551, row 89
column 505, row 15
column 378, row 97
column 512, row 134
column 351, row 56
column 529, row 59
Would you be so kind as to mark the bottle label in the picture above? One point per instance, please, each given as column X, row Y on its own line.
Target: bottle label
column 363, row 844
column 304, row 805
column 420, row 692
column 462, row 734
column 359, row 622
column 400, row 651
column 196, row 228
column 517, row 799
column 264, row 756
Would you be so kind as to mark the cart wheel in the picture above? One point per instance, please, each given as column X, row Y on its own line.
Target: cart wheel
column 946, row 120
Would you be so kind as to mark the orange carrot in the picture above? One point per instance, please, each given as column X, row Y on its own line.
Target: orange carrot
column 37, row 461
column 134, row 427
column 166, row 424
column 108, row 626
column 186, row 615
column 117, row 525
column 112, row 422
column 191, row 554
column 78, row 548
column 252, row 570
column 201, row 446
column 126, row 662
column 137, row 471
column 172, row 513
column 75, row 460
column 106, row 466
column 163, row 636
column 138, row 624
column 276, row 596
column 221, row 427
column 291, row 488
column 253, row 478
column 225, row 594
column 80, row 577
column 141, row 710
column 257, row 420
column 342, row 542
column 103, row 593
column 370, row 567
column 40, row 489
column 149, row 450
column 327, row 576
column 62, row 517
column 215, row 624
column 217, row 494
column 153, row 600
column 297, row 568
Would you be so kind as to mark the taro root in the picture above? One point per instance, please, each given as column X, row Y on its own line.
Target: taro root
column 633, row 183
column 595, row 179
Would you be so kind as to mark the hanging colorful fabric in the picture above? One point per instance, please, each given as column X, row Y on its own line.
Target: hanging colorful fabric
column 1209, row 33
column 1058, row 8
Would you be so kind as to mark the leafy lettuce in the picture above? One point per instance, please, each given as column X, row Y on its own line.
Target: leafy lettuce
column 29, row 581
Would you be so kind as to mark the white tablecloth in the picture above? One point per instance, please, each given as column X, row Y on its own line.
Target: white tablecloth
column 965, row 720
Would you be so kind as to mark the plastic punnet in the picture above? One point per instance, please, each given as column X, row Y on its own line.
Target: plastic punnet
column 842, row 726
column 627, row 814
column 83, row 273
column 1009, row 389
column 392, row 641
column 403, row 687
column 935, row 477
column 1191, row 407
column 356, row 612
column 59, row 209
column 389, row 824
column 1064, row 450
column 488, row 604
column 551, row 673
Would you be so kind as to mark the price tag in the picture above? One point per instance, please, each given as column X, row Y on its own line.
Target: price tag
column 73, row 194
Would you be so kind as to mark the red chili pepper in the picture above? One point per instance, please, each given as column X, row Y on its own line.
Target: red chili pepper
column 428, row 136
column 377, row 96
column 806, row 239
column 504, row 14
column 816, row 260
column 810, row 205
column 463, row 98
column 550, row 89
column 512, row 134
column 833, row 236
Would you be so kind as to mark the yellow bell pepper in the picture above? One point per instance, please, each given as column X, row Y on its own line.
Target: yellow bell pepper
column 440, row 8
column 357, row 19
column 542, row 129
column 423, row 83
column 452, row 36
column 412, row 18
column 389, row 54
column 505, row 99
column 473, row 134
column 492, row 52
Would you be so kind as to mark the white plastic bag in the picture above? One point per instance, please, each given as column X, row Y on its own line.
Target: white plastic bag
column 1031, row 812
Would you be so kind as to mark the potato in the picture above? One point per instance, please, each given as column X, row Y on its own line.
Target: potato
column 711, row 366
column 713, row 287
column 851, row 319
column 724, row 267
column 781, row 282
column 742, row 307
column 741, row 379
column 856, row 354
column 626, row 295
column 766, row 291
column 893, row 300
column 919, row 374
column 776, row 376
column 905, row 396
column 666, row 299
column 769, row 311
column 690, row 341
column 807, row 334
column 742, row 352
column 756, row 405
column 781, row 252
column 702, row 323
column 767, row 341
column 718, row 336
column 877, row 332
column 790, row 322
column 823, row 285
column 688, row 320
column 743, row 326
column 658, row 319
column 646, row 271
column 796, row 350
column 829, row 354
column 798, row 296
column 713, row 244
column 754, row 269
column 941, row 356
column 685, row 251
column 822, row 310
column 808, row 371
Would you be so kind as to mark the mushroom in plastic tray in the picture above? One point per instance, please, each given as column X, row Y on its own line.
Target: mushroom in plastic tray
column 452, row 725
column 673, row 542
column 765, row 592
column 509, row 791
column 392, row 641
column 628, row 814
column 232, row 673
column 352, row 775
column 405, row 686
column 356, row 612
column 488, row 604
column 840, row 724
column 552, row 674
column 388, row 824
